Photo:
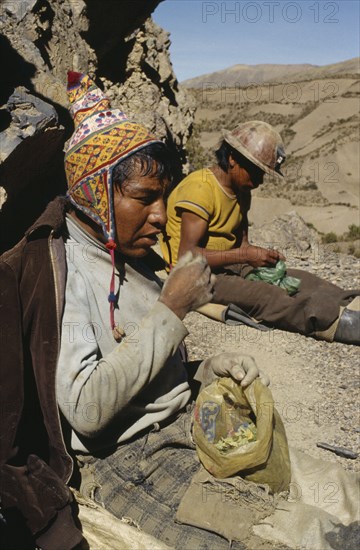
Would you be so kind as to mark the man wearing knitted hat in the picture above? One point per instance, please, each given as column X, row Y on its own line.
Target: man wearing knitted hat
column 208, row 214
column 102, row 340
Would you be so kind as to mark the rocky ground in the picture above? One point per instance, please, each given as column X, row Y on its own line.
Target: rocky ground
column 315, row 384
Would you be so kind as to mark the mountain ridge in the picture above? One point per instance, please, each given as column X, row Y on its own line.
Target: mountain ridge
column 242, row 74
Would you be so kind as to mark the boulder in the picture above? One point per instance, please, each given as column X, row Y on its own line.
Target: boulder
column 288, row 233
column 120, row 47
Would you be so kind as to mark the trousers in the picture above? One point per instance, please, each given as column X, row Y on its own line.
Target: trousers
column 145, row 480
column 312, row 309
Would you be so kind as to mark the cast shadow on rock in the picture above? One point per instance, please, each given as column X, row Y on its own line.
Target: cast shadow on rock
column 344, row 537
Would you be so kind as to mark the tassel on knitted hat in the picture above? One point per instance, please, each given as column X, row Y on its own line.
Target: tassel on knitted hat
column 103, row 137
column 118, row 332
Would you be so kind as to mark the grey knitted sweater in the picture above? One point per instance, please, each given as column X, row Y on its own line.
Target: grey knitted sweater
column 108, row 392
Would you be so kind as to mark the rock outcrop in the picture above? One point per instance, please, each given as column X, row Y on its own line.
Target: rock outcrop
column 288, row 233
column 122, row 49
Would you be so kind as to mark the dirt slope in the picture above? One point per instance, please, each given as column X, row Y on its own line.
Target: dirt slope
column 319, row 123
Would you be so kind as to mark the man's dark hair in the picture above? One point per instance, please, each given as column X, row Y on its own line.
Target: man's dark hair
column 152, row 159
column 223, row 153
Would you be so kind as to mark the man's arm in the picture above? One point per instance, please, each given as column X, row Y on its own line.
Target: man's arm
column 92, row 390
column 194, row 233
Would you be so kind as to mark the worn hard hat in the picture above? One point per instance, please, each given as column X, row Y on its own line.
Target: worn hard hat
column 259, row 143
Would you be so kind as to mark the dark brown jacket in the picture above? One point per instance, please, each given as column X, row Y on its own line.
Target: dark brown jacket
column 34, row 464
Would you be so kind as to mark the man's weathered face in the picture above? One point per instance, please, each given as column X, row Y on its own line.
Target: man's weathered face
column 248, row 176
column 140, row 213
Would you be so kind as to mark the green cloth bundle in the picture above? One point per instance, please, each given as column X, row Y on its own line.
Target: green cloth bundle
column 275, row 276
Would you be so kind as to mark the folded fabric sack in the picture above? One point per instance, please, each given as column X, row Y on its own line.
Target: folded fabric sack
column 320, row 512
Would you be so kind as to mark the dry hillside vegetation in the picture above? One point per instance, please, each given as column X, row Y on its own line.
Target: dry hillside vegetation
column 319, row 122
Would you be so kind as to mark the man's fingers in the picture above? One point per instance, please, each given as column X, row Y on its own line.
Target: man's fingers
column 199, row 258
column 242, row 369
column 264, row 378
column 184, row 259
column 190, row 260
column 276, row 254
column 251, row 370
column 207, row 277
column 273, row 255
column 245, row 371
column 237, row 372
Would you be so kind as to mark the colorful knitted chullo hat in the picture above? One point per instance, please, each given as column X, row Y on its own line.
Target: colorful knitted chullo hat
column 102, row 138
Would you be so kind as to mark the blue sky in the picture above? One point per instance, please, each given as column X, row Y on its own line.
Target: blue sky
column 212, row 35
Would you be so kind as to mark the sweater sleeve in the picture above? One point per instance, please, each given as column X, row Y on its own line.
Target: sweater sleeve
column 91, row 389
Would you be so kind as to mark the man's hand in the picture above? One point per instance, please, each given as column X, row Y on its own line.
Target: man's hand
column 256, row 256
column 241, row 368
column 189, row 285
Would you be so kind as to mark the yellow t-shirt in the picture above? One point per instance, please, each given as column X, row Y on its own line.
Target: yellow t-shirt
column 202, row 194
